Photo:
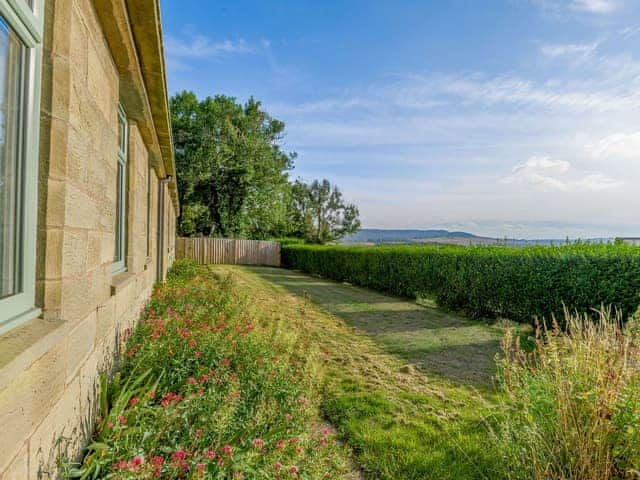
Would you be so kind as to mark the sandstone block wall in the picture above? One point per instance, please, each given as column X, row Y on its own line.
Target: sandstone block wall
column 49, row 367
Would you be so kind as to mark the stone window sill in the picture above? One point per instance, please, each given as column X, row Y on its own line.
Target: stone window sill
column 21, row 346
column 120, row 281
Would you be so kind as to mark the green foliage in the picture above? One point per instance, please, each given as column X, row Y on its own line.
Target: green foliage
column 571, row 409
column 183, row 269
column 205, row 391
column 232, row 178
column 516, row 283
column 319, row 214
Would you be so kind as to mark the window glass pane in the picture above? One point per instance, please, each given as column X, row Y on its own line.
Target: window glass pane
column 119, row 213
column 11, row 164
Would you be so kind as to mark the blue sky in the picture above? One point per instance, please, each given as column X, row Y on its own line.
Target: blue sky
column 516, row 118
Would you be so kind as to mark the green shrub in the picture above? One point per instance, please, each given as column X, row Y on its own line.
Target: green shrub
column 571, row 409
column 205, row 391
column 183, row 269
column 516, row 283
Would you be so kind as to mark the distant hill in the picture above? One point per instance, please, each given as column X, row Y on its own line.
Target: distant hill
column 371, row 235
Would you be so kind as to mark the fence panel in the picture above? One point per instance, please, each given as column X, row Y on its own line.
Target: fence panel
column 232, row 251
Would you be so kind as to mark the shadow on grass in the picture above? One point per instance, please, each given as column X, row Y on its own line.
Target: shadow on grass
column 436, row 342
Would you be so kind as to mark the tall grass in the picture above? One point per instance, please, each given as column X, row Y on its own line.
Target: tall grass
column 571, row 408
column 207, row 391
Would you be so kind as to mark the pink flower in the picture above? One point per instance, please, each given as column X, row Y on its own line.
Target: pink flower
column 193, row 343
column 179, row 455
column 289, row 417
column 302, row 399
column 136, row 462
column 157, row 461
column 277, row 465
column 280, row 444
column 294, row 470
column 258, row 443
column 122, row 420
column 120, row 465
column 192, row 381
column 325, row 430
column 210, row 454
column 227, row 450
column 133, row 401
column 200, row 467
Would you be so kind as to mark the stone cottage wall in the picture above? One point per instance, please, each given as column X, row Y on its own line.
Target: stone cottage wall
column 49, row 368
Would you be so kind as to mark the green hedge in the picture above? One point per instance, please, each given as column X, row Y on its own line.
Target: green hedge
column 515, row 283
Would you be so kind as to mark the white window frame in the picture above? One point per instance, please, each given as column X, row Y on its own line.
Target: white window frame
column 120, row 228
column 27, row 22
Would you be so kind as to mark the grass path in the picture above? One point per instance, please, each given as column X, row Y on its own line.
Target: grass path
column 405, row 385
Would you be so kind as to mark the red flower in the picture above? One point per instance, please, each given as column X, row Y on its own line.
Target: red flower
column 157, row 461
column 277, row 465
column 179, row 455
column 197, row 354
column 122, row 420
column 200, row 467
column 210, row 454
column 120, row 465
column 134, row 401
column 192, row 343
column 258, row 443
column 192, row 381
column 136, row 462
column 294, row 470
column 227, row 450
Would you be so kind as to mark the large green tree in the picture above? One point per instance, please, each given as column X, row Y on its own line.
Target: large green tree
column 319, row 213
column 232, row 171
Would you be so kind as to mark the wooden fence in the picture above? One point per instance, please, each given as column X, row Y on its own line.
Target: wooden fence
column 205, row 250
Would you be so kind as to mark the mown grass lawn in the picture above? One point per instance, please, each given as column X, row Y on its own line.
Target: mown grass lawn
column 408, row 387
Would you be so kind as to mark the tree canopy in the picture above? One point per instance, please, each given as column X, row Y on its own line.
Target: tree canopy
column 232, row 172
column 233, row 176
column 320, row 214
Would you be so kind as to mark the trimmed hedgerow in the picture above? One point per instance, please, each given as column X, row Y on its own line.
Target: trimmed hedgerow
column 485, row 282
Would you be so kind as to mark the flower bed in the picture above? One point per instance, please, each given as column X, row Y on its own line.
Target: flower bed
column 205, row 391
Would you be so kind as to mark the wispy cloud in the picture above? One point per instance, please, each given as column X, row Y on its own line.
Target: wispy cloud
column 183, row 51
column 549, row 174
column 200, row 46
column 624, row 146
column 563, row 7
column 571, row 50
column 595, row 6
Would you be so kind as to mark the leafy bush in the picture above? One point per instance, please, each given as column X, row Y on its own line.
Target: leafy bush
column 205, row 391
column 516, row 283
column 183, row 269
column 571, row 409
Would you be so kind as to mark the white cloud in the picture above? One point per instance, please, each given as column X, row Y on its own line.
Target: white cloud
column 579, row 50
column 595, row 6
column 624, row 146
column 563, row 8
column 200, row 46
column 550, row 174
